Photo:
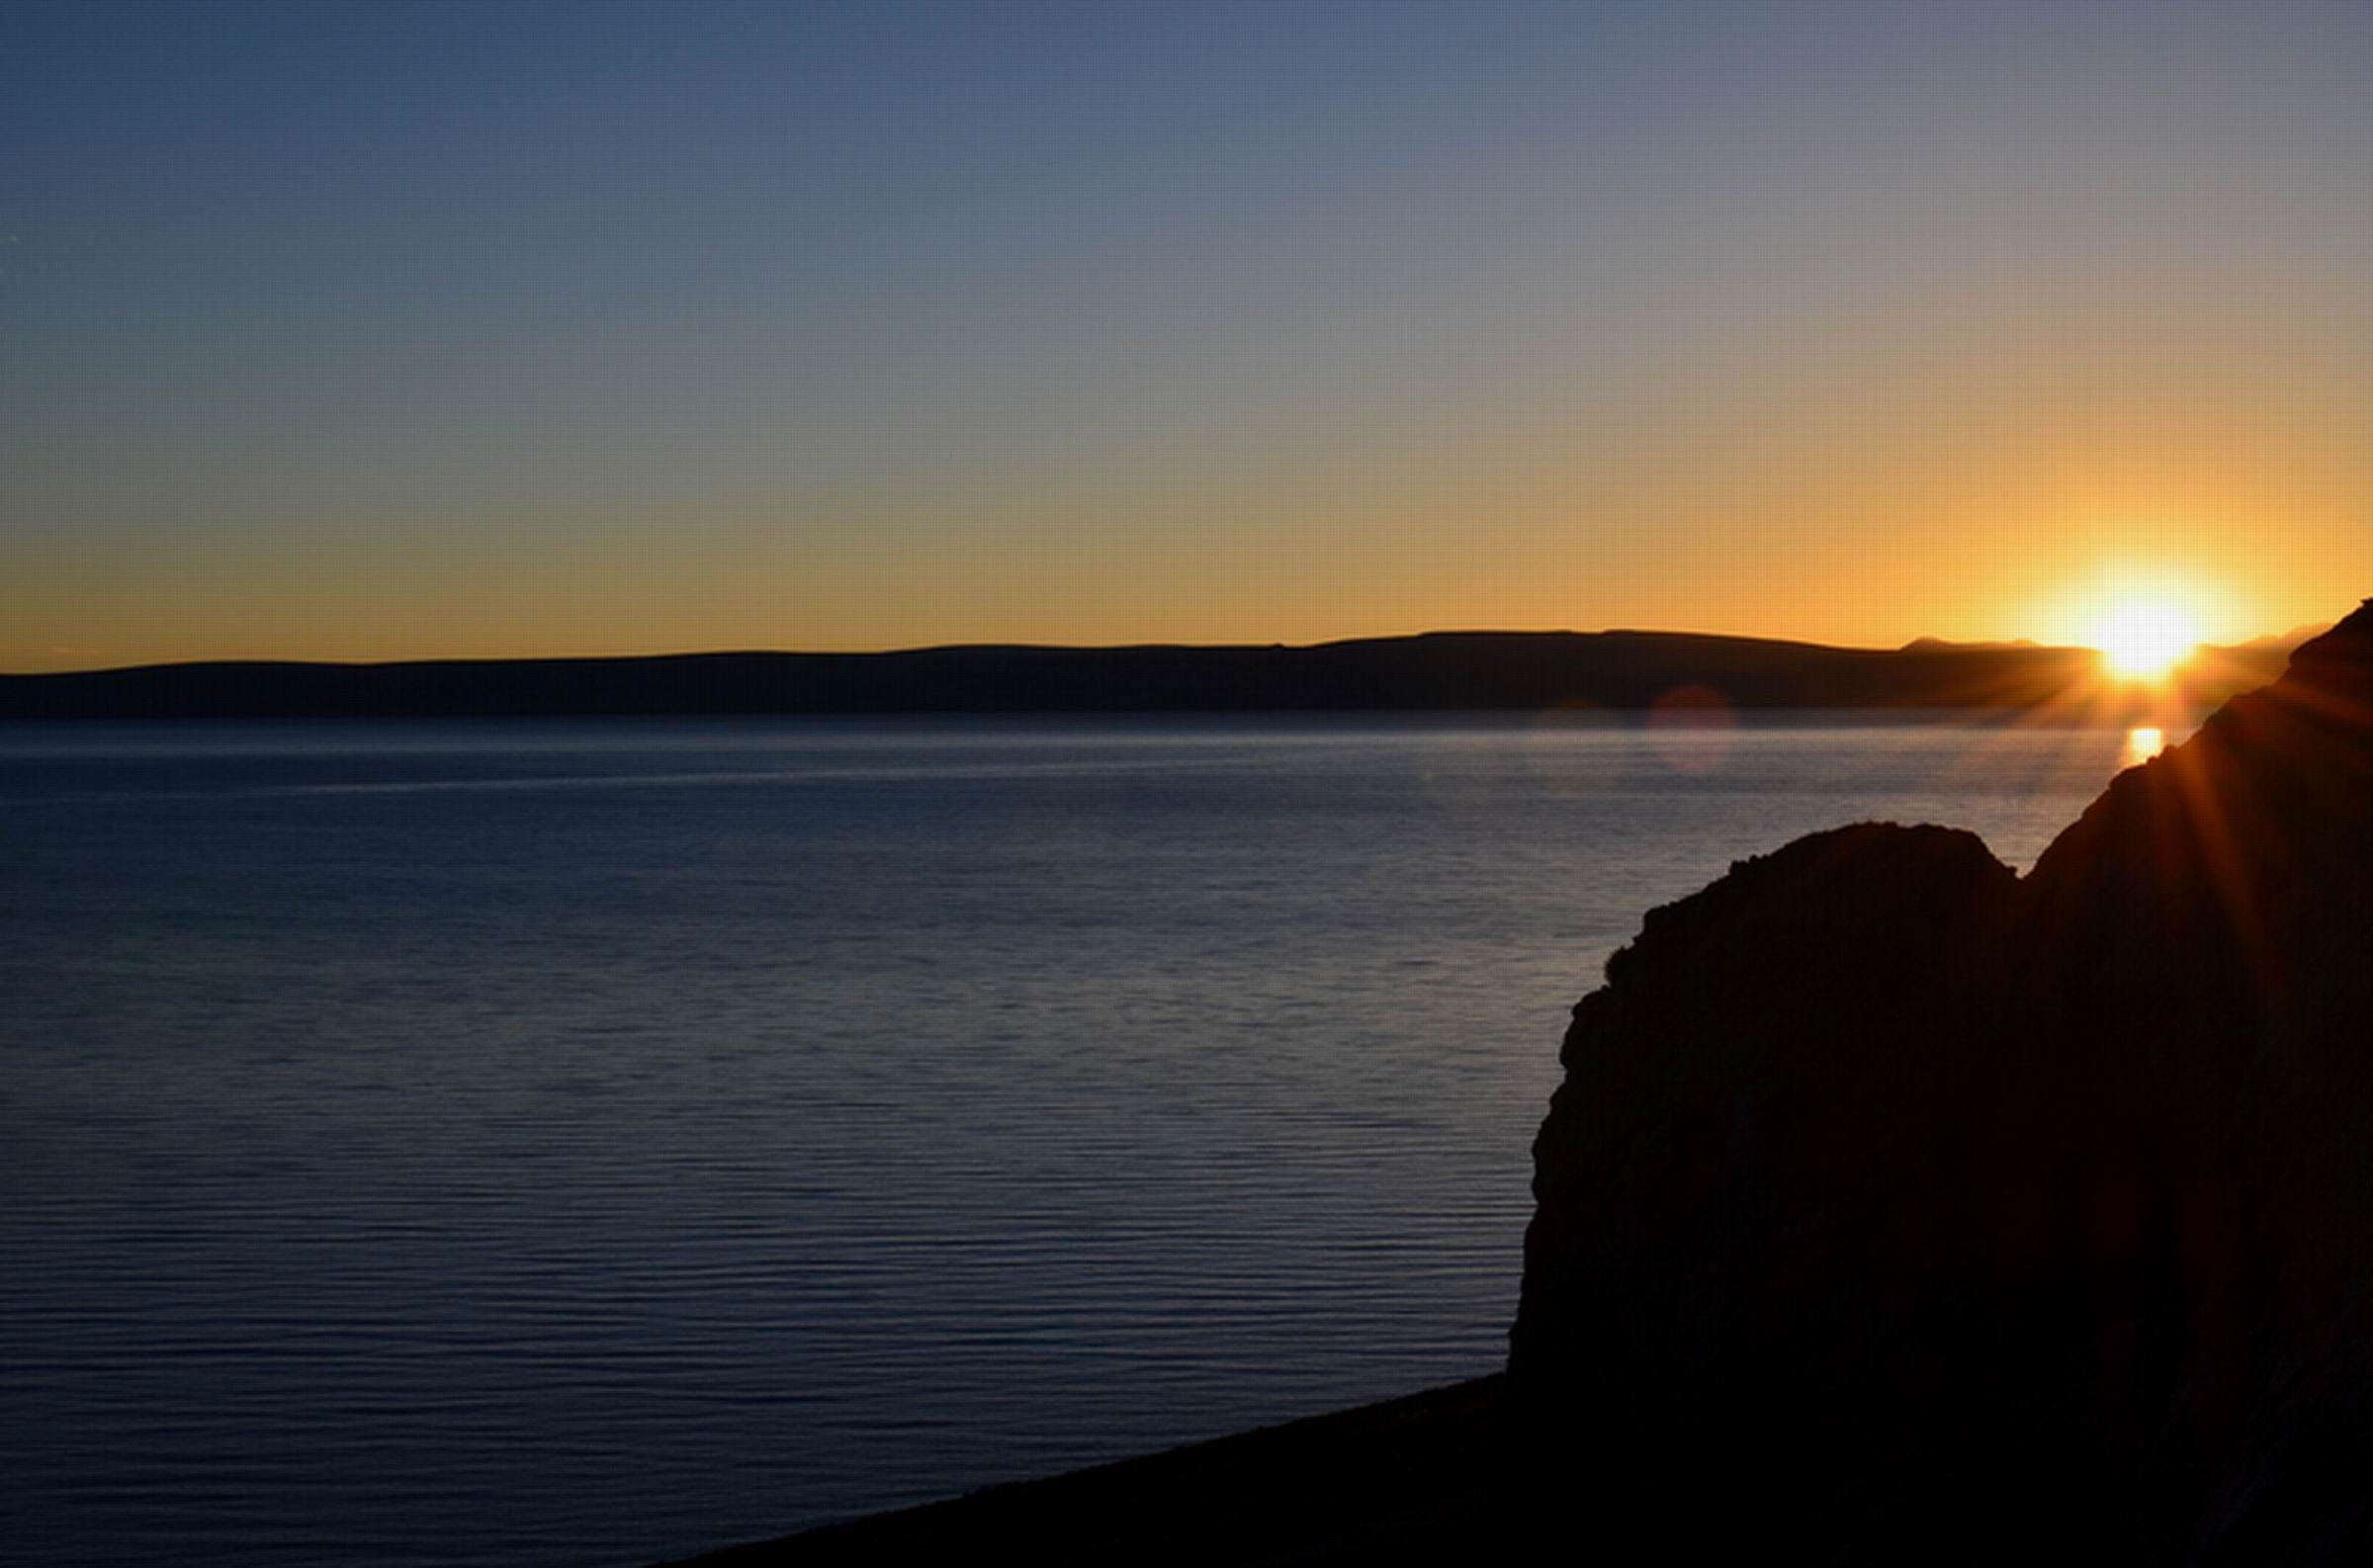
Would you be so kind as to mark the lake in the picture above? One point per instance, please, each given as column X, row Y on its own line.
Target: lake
column 580, row 1144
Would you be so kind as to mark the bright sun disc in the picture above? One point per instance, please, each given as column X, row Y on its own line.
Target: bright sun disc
column 2142, row 641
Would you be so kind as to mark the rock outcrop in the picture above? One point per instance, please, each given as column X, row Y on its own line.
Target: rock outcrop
column 1900, row 1205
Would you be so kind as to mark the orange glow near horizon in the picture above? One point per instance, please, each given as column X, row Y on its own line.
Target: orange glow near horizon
column 1983, row 581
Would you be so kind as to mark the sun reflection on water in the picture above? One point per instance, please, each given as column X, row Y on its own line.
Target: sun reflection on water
column 2143, row 742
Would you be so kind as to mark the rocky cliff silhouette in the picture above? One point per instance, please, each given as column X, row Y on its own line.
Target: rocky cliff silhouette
column 1894, row 1202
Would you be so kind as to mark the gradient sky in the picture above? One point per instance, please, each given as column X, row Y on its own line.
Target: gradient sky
column 366, row 330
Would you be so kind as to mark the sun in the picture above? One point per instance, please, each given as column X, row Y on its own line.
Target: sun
column 2143, row 640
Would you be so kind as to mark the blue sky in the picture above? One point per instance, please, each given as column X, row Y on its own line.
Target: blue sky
column 371, row 331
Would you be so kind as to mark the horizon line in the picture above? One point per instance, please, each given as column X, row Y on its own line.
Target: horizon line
column 1922, row 644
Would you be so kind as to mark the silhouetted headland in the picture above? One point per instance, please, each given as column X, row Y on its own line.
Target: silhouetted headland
column 1927, row 1205
column 1436, row 671
column 1900, row 1208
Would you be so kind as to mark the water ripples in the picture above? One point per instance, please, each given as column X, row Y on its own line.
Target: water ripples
column 564, row 1153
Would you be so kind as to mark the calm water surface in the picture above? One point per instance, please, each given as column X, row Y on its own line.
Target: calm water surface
column 583, row 1144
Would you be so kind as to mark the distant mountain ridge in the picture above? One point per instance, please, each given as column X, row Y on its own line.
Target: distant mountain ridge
column 1622, row 670
column 1938, row 644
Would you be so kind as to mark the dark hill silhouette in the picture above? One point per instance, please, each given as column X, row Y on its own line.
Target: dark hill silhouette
column 1442, row 671
column 1920, row 1209
column 1938, row 644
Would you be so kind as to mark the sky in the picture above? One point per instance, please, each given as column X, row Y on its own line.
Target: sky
column 368, row 330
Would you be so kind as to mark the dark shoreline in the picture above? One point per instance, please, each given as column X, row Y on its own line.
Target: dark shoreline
column 1349, row 1485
